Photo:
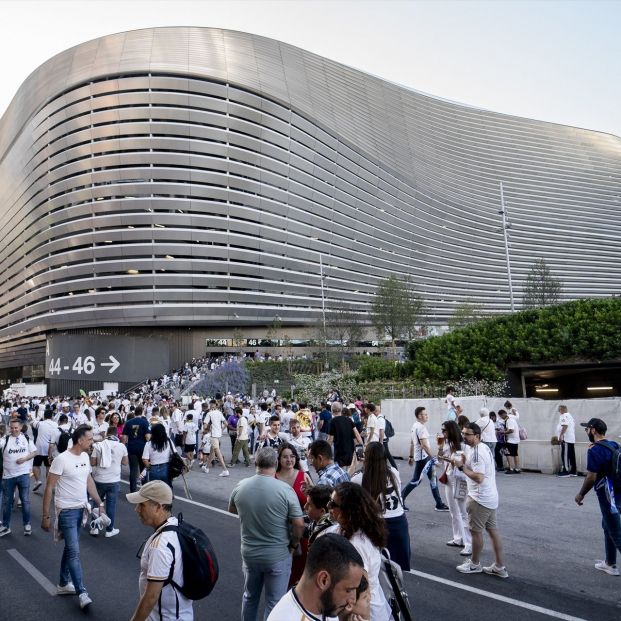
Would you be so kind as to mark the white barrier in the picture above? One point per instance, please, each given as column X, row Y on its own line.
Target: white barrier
column 539, row 417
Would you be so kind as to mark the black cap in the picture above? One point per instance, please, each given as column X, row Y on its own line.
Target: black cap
column 596, row 423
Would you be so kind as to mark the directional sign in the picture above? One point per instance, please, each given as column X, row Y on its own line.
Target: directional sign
column 106, row 358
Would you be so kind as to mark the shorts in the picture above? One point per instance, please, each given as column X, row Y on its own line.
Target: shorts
column 41, row 460
column 215, row 444
column 512, row 448
column 189, row 448
column 480, row 518
column 178, row 439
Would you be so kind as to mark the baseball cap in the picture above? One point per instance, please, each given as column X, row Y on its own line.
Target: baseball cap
column 598, row 424
column 157, row 491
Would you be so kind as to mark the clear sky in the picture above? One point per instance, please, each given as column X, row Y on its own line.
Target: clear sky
column 556, row 61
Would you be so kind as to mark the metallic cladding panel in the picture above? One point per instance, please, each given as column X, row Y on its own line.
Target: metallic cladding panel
column 194, row 176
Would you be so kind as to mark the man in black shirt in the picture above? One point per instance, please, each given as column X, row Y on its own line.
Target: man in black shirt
column 136, row 433
column 342, row 435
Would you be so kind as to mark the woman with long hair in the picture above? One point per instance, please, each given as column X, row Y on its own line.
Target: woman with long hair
column 156, row 455
column 457, row 505
column 114, row 420
column 357, row 517
column 383, row 483
column 289, row 471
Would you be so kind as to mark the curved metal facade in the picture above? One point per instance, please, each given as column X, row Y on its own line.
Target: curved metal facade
column 194, row 176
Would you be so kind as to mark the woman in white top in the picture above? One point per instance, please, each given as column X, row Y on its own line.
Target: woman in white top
column 358, row 519
column 383, row 482
column 156, row 455
column 457, row 506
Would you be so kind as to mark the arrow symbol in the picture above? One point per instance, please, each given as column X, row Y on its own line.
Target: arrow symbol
column 114, row 364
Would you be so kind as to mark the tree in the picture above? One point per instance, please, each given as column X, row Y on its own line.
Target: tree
column 541, row 289
column 397, row 308
column 465, row 313
column 346, row 326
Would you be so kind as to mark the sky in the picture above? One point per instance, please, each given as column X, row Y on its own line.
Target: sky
column 556, row 61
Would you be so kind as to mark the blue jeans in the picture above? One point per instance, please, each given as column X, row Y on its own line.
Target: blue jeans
column 160, row 472
column 611, row 523
column 275, row 578
column 69, row 524
column 433, row 481
column 22, row 482
column 109, row 492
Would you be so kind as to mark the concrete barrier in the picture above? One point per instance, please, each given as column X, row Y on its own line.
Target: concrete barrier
column 539, row 417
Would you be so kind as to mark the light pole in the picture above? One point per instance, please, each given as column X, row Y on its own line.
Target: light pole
column 506, row 225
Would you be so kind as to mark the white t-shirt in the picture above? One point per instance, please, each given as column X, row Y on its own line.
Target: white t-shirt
column 155, row 564
column 71, row 487
column 217, row 419
column 372, row 559
column 570, row 433
column 112, row 473
column 99, row 430
column 301, row 444
column 488, row 430
column 242, row 428
column 48, row 430
column 393, row 506
column 289, row 608
column 176, row 421
column 156, row 457
column 480, row 459
column 419, row 432
column 381, row 426
column 190, row 428
column 512, row 423
column 14, row 449
column 372, row 432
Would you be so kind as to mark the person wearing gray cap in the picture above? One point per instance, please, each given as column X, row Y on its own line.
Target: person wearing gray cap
column 603, row 474
column 159, row 600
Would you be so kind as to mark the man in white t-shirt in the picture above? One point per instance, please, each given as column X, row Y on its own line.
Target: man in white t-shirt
column 372, row 432
column 512, row 441
column 70, row 475
column 328, row 587
column 159, row 600
column 18, row 450
column 217, row 423
column 488, row 429
column 176, row 425
column 566, row 432
column 106, row 460
column 420, row 455
column 482, row 502
column 47, row 430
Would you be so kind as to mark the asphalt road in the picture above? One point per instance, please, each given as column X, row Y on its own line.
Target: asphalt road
column 550, row 548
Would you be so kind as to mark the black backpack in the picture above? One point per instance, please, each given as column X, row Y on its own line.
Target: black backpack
column 389, row 430
column 63, row 441
column 393, row 585
column 614, row 472
column 200, row 565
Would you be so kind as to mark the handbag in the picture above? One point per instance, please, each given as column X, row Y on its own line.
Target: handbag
column 443, row 478
column 460, row 491
column 555, row 441
column 176, row 465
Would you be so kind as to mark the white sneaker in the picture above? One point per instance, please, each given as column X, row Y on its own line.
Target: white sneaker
column 85, row 600
column 469, row 567
column 113, row 532
column 94, row 532
column 467, row 551
column 5, row 531
column 68, row 589
column 205, row 469
column 224, row 473
column 494, row 570
column 27, row 530
column 611, row 570
column 36, row 486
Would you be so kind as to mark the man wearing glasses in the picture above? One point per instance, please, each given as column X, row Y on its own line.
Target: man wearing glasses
column 478, row 466
column 603, row 474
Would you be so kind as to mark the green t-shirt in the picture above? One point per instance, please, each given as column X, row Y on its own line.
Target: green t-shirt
column 265, row 507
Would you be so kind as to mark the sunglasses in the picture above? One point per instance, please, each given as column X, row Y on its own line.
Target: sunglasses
column 333, row 505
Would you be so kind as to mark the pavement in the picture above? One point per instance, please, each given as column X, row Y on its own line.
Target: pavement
column 550, row 545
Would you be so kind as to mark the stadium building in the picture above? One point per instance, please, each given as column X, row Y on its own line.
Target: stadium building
column 182, row 184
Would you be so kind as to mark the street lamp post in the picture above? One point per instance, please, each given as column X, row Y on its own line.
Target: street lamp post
column 505, row 229
column 323, row 311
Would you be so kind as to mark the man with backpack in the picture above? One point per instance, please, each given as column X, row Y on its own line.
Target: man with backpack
column 17, row 452
column 604, row 474
column 161, row 563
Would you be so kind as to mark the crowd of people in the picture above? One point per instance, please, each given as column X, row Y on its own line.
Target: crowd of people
column 322, row 474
